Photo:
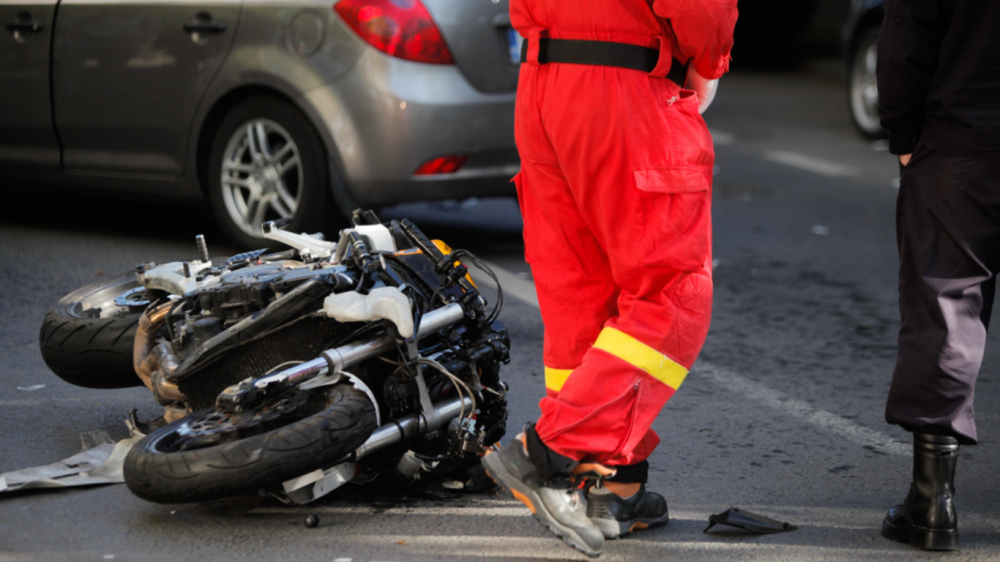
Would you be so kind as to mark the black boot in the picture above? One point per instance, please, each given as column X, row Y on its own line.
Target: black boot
column 927, row 518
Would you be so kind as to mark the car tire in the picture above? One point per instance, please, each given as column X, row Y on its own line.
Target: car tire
column 267, row 163
column 862, row 87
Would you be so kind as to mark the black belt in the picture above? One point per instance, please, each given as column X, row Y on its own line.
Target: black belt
column 603, row 53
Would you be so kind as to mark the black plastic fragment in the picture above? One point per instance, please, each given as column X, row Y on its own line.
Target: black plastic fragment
column 736, row 517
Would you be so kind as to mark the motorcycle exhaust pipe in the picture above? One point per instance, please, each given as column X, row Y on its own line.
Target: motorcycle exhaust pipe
column 145, row 340
column 410, row 426
column 155, row 362
column 165, row 389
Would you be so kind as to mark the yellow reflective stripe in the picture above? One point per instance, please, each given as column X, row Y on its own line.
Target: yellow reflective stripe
column 634, row 352
column 556, row 378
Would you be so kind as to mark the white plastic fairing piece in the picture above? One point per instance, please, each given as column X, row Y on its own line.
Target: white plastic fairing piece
column 387, row 303
column 376, row 237
column 303, row 242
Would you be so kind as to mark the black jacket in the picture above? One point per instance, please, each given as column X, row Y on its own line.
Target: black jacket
column 939, row 74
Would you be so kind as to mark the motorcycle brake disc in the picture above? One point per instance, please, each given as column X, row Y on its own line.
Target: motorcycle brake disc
column 213, row 427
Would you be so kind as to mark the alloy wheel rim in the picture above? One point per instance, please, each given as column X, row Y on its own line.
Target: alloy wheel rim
column 864, row 89
column 261, row 175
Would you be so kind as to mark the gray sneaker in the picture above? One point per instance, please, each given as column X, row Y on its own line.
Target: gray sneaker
column 560, row 508
column 617, row 517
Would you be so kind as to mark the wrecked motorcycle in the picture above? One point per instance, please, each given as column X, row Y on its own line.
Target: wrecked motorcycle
column 291, row 373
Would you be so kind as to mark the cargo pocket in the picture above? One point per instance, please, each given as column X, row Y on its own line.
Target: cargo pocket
column 676, row 215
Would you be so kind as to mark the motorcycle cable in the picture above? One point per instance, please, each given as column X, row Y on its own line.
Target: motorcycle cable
column 495, row 313
column 459, row 383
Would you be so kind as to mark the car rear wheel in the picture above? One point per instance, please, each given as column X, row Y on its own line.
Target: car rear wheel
column 862, row 87
column 267, row 163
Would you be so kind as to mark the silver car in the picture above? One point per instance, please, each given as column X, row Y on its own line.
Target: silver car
column 268, row 109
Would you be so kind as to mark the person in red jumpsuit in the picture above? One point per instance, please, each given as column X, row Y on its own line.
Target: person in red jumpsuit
column 615, row 188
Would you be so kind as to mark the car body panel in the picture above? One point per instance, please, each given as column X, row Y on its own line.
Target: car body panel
column 27, row 135
column 388, row 116
column 127, row 78
column 476, row 34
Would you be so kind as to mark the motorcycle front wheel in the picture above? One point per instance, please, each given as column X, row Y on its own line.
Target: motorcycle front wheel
column 210, row 454
column 87, row 337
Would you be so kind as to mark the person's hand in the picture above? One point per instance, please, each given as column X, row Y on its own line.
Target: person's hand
column 904, row 159
column 704, row 87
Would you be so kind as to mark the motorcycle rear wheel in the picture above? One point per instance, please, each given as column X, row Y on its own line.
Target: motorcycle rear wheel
column 159, row 469
column 87, row 337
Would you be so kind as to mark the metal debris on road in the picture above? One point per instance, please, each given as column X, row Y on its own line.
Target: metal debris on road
column 100, row 462
column 757, row 524
column 32, row 387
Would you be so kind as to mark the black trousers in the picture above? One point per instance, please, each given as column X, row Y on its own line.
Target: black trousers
column 948, row 232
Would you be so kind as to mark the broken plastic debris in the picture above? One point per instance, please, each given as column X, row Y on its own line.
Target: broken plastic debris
column 820, row 230
column 32, row 387
column 759, row 524
column 100, row 462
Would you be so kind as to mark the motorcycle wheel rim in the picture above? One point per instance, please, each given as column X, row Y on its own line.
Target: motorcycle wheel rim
column 113, row 299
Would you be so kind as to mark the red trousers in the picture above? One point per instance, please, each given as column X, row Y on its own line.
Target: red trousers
column 615, row 189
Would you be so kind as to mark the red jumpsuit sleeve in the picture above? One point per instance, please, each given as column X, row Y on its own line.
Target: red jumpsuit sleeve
column 704, row 31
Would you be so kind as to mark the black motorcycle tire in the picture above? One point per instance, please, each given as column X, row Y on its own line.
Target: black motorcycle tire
column 92, row 352
column 247, row 466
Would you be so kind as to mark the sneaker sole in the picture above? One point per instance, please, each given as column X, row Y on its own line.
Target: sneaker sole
column 614, row 529
column 524, row 494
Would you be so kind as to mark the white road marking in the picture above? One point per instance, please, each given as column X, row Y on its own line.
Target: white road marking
column 722, row 138
column 829, row 517
column 402, row 511
column 810, row 164
column 514, row 286
column 547, row 548
column 802, row 411
column 525, row 291
column 38, row 401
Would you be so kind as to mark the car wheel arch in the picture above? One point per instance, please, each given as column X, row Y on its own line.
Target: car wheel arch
column 871, row 20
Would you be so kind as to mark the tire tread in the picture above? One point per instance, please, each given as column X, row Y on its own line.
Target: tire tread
column 248, row 465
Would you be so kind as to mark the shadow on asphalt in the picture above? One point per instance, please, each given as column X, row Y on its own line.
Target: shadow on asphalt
column 489, row 223
column 109, row 215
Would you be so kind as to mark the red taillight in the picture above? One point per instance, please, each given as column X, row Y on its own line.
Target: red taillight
column 400, row 28
column 442, row 165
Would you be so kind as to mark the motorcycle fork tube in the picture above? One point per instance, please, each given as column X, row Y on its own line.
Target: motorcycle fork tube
column 334, row 360
column 410, row 426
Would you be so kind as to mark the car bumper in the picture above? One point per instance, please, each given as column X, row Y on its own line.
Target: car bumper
column 386, row 117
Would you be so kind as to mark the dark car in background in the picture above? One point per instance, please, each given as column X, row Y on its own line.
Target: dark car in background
column 860, row 42
column 768, row 32
column 300, row 109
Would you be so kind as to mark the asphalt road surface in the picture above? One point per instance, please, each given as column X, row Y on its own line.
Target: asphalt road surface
column 782, row 415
